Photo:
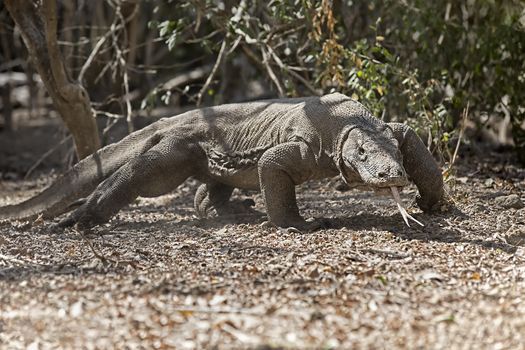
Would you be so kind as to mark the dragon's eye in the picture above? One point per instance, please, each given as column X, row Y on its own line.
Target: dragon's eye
column 361, row 151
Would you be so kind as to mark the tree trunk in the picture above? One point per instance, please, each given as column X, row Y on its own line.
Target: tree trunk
column 38, row 25
column 7, row 106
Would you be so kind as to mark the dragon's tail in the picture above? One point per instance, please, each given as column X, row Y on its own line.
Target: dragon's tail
column 83, row 178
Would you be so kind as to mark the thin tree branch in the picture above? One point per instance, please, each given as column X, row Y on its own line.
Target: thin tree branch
column 92, row 56
column 45, row 155
column 220, row 57
column 271, row 73
column 292, row 73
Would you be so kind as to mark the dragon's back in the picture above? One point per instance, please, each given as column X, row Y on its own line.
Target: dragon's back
column 266, row 123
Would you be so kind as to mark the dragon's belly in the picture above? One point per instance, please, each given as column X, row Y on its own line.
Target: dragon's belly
column 247, row 178
column 235, row 168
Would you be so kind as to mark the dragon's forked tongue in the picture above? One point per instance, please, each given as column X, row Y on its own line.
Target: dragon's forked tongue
column 401, row 209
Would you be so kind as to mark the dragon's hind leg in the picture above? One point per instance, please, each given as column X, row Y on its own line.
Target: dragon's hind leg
column 153, row 173
column 214, row 197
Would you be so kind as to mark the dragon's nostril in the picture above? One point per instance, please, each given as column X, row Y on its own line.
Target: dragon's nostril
column 399, row 173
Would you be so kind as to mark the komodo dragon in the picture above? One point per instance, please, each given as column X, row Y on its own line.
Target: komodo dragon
column 269, row 145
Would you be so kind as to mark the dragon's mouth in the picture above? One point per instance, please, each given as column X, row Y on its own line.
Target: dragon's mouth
column 385, row 190
column 400, row 182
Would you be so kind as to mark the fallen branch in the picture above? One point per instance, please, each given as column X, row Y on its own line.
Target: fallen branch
column 214, row 310
column 188, row 310
column 99, row 255
column 389, row 253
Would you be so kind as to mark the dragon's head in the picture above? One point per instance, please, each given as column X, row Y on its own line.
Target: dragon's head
column 374, row 155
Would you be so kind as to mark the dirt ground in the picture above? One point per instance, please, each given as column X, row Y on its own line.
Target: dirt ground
column 158, row 277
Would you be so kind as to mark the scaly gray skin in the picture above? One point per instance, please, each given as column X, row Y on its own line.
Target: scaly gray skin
column 270, row 145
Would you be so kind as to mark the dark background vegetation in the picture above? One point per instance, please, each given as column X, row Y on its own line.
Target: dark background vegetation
column 440, row 66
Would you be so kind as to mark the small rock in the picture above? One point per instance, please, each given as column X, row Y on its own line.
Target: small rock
column 76, row 309
column 341, row 186
column 33, row 346
column 516, row 238
column 515, row 235
column 510, row 201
